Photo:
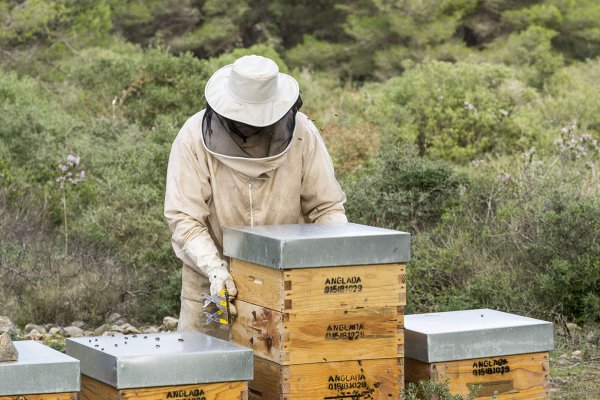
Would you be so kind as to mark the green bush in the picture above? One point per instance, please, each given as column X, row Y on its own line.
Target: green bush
column 400, row 190
column 522, row 236
column 452, row 111
column 531, row 50
column 431, row 390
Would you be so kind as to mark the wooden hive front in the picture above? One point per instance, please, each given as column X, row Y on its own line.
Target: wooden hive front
column 310, row 315
column 93, row 389
column 520, row 376
column 505, row 355
column 322, row 307
column 183, row 366
column 352, row 380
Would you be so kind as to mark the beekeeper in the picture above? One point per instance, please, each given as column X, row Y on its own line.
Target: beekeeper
column 250, row 158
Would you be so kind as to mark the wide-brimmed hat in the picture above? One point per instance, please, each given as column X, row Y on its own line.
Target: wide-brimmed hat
column 252, row 91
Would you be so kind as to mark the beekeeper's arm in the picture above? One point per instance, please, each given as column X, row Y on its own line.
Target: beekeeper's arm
column 322, row 197
column 188, row 192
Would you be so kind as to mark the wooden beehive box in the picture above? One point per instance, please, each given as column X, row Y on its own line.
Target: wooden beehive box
column 505, row 354
column 313, row 299
column 182, row 366
column 40, row 373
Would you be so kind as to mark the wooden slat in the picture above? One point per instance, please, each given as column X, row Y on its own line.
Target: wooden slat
column 350, row 380
column 526, row 377
column 92, row 389
column 320, row 336
column 257, row 284
column 326, row 288
column 45, row 396
column 259, row 328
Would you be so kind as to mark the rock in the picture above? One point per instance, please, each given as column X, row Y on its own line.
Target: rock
column 151, row 329
column 170, row 323
column 6, row 325
column 73, row 331
column 8, row 352
column 79, row 324
column 112, row 333
column 113, row 318
column 101, row 329
column 577, row 355
column 117, row 328
column 31, row 326
column 129, row 329
column 34, row 334
column 55, row 330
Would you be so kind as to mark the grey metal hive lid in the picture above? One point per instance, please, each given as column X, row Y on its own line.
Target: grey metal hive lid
column 165, row 359
column 316, row 245
column 461, row 335
column 38, row 370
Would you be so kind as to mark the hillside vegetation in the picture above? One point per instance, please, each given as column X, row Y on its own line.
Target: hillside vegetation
column 474, row 125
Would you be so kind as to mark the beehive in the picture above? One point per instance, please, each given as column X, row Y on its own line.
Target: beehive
column 322, row 306
column 505, row 354
column 183, row 366
column 40, row 373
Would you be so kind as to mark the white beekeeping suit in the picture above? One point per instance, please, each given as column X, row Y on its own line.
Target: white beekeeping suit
column 249, row 158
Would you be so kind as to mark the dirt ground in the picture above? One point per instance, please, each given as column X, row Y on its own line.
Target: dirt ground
column 575, row 365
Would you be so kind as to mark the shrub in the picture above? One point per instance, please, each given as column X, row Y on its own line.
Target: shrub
column 40, row 283
column 523, row 237
column 338, row 110
column 143, row 85
column 452, row 111
column 432, row 390
column 400, row 190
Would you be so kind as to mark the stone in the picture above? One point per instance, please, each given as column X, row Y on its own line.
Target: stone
column 151, row 329
column 112, row 318
column 170, row 323
column 101, row 329
column 8, row 352
column 129, row 329
column 117, row 328
column 577, row 355
column 55, row 330
column 31, row 326
column 6, row 325
column 112, row 333
column 79, row 324
column 73, row 331
column 34, row 334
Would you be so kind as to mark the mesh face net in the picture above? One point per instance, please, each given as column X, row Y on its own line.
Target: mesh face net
column 236, row 139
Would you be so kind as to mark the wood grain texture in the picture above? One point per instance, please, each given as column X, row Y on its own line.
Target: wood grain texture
column 320, row 336
column 326, row 288
column 92, row 389
column 526, row 378
column 351, row 380
column 45, row 396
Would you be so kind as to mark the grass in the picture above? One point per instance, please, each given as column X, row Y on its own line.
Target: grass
column 575, row 365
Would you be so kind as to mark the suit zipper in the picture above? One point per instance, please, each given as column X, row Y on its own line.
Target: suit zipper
column 250, row 198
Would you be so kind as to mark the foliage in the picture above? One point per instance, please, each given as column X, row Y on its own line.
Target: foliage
column 400, row 190
column 531, row 50
column 40, row 283
column 500, row 97
column 452, row 111
column 517, row 222
column 431, row 390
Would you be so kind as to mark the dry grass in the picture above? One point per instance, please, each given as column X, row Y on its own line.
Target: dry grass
column 575, row 365
column 40, row 283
